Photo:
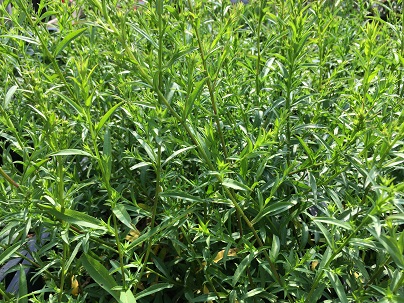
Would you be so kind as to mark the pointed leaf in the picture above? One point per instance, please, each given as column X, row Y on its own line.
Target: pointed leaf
column 22, row 286
column 227, row 182
column 182, row 196
column 122, row 215
column 338, row 287
column 176, row 153
column 73, row 217
column 274, row 209
column 71, row 152
column 241, row 268
column 23, row 38
column 9, row 96
column 5, row 255
column 153, row 289
column 100, row 275
column 393, row 249
column 127, row 297
column 189, row 104
column 333, row 221
column 70, row 37
column 107, row 115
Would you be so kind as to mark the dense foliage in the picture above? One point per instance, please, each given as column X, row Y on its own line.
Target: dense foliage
column 199, row 151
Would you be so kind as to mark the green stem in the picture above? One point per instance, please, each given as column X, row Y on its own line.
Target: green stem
column 199, row 262
column 55, row 64
column 258, row 46
column 111, row 194
column 61, row 201
column 153, row 219
column 335, row 253
column 209, row 83
column 145, row 77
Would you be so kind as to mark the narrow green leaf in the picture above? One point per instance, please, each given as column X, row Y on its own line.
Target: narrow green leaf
column 144, row 237
column 241, row 268
column 338, row 287
column 22, row 38
column 189, row 103
column 397, row 217
column 122, row 215
column 150, row 152
column 318, row 292
column 44, row 117
column 73, row 217
column 326, row 234
column 5, row 255
column 253, row 293
column 152, row 289
column 107, row 115
column 275, row 248
column 72, row 256
column 139, row 165
column 306, row 148
column 71, row 152
column 179, row 55
column 70, row 37
column 144, row 35
column 393, row 249
column 32, row 168
column 182, row 196
column 227, row 182
column 100, row 275
column 107, row 155
column 273, row 209
column 22, row 286
column 204, row 298
column 161, row 267
column 127, row 297
column 325, row 260
column 45, row 15
column 107, row 147
column 313, row 186
column 333, row 221
column 79, row 109
column 9, row 96
column 176, row 153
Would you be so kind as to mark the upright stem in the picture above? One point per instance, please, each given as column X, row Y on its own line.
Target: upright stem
column 65, row 226
column 400, row 86
column 146, row 78
column 160, row 43
column 209, row 83
column 153, row 219
column 336, row 252
column 258, row 46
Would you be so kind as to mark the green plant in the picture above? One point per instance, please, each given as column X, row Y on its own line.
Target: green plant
column 203, row 152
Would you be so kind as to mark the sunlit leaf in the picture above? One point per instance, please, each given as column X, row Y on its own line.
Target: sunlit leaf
column 241, row 268
column 71, row 152
column 70, row 37
column 227, row 182
column 73, row 217
column 100, row 275
column 153, row 289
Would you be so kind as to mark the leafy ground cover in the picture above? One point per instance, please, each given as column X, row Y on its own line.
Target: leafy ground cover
column 198, row 151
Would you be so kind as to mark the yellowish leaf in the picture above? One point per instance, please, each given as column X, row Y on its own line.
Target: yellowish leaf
column 132, row 235
column 206, row 291
column 75, row 287
column 313, row 264
column 145, row 206
column 231, row 253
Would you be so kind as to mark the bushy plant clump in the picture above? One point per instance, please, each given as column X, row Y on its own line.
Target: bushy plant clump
column 202, row 151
